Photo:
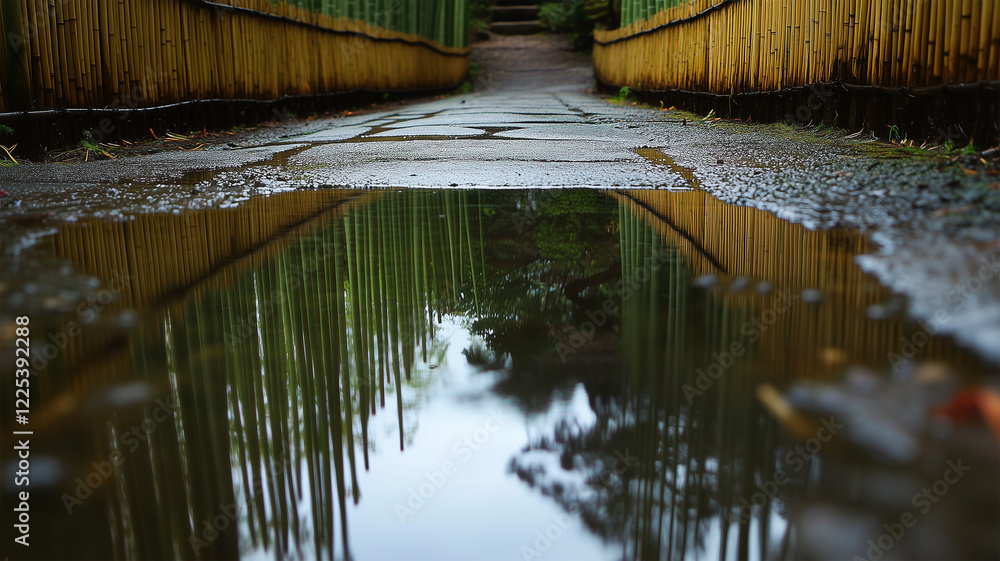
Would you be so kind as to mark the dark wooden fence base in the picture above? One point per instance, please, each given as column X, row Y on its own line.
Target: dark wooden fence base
column 960, row 113
column 37, row 132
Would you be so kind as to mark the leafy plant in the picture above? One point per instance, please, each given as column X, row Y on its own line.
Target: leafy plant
column 557, row 15
column 89, row 147
column 4, row 129
column 576, row 17
column 479, row 16
column 894, row 134
column 622, row 95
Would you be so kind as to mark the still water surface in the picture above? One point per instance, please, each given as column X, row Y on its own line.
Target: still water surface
column 439, row 375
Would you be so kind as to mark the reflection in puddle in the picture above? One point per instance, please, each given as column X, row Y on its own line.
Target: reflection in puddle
column 448, row 374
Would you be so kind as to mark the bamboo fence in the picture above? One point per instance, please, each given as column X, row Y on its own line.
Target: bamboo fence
column 142, row 53
column 735, row 46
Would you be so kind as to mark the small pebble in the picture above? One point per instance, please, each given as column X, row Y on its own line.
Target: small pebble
column 739, row 283
column 812, row 295
column 706, row 281
column 878, row 311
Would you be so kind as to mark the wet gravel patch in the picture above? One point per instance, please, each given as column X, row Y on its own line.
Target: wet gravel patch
column 936, row 221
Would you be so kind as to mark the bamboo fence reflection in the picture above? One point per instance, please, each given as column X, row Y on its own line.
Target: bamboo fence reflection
column 142, row 53
column 718, row 238
column 148, row 259
column 732, row 46
column 711, row 444
column 277, row 362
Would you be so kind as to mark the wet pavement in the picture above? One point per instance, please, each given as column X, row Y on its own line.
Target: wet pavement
column 519, row 323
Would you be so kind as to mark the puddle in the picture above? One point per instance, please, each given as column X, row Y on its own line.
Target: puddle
column 473, row 374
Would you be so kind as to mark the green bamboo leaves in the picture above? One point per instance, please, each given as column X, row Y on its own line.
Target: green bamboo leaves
column 637, row 10
column 444, row 21
column 279, row 370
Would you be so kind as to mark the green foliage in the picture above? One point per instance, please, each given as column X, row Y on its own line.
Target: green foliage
column 89, row 147
column 444, row 21
column 637, row 10
column 4, row 129
column 568, row 226
column 949, row 145
column 969, row 150
column 480, row 9
column 894, row 133
column 534, row 244
column 622, row 95
column 575, row 17
column 478, row 25
column 557, row 15
column 465, row 88
column 478, row 16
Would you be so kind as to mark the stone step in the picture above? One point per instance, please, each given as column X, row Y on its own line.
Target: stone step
column 515, row 13
column 516, row 27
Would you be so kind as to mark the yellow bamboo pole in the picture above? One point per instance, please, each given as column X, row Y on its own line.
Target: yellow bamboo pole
column 993, row 66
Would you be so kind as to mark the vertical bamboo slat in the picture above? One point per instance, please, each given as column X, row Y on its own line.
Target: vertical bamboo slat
column 752, row 45
column 98, row 53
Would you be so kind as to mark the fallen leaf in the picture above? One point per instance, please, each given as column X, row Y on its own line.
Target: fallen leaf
column 832, row 356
